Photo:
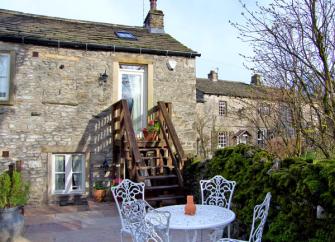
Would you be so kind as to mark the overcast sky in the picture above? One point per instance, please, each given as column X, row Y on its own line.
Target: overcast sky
column 202, row 25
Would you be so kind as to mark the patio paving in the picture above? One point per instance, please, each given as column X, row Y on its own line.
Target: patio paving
column 95, row 222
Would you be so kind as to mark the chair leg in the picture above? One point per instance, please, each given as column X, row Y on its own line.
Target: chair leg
column 121, row 236
column 229, row 231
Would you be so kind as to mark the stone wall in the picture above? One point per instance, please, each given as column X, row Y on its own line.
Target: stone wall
column 57, row 96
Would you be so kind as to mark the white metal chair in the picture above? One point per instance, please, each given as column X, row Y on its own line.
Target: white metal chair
column 145, row 223
column 258, row 222
column 217, row 191
column 126, row 191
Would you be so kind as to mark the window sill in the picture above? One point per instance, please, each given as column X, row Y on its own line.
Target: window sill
column 68, row 193
column 6, row 103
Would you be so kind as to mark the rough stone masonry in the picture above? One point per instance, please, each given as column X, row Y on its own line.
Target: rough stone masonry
column 57, row 94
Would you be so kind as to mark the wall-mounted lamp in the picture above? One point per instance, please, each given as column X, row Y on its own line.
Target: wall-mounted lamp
column 171, row 64
column 103, row 78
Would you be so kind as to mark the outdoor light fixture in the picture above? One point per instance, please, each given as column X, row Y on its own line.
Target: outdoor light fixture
column 171, row 64
column 103, row 78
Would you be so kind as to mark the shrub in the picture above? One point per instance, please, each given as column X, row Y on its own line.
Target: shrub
column 297, row 187
column 13, row 191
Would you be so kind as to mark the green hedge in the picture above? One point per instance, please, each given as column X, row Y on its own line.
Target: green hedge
column 298, row 186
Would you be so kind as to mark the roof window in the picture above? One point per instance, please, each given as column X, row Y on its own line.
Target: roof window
column 125, row 35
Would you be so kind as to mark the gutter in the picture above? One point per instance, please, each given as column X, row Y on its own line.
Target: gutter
column 95, row 47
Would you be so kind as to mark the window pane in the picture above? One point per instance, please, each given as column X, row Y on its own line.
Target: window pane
column 4, row 65
column 132, row 91
column 77, row 163
column 59, row 163
column 60, row 182
column 222, row 108
column 4, row 88
column 76, row 181
column 4, row 76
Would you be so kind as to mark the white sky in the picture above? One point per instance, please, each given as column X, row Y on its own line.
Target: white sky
column 202, row 25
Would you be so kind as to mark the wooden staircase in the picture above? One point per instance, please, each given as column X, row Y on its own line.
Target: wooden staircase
column 157, row 163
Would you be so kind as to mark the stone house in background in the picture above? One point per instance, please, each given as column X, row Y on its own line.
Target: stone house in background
column 231, row 113
column 57, row 75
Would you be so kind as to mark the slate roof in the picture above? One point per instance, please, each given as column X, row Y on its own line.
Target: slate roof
column 234, row 89
column 52, row 31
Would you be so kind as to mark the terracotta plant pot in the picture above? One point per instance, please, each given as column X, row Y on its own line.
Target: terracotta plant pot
column 149, row 136
column 190, row 207
column 99, row 195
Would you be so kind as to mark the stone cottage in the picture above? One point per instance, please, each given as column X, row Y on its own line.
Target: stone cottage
column 231, row 113
column 56, row 77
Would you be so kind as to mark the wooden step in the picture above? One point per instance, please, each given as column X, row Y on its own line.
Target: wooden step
column 164, row 197
column 148, row 158
column 153, row 167
column 156, row 177
column 147, row 188
column 150, row 149
column 146, row 167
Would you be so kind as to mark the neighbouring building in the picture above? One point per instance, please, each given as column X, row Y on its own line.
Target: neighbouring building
column 231, row 113
column 56, row 77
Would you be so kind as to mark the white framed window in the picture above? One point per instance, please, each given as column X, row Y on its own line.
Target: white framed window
column 261, row 137
column 5, row 64
column 68, row 173
column 222, row 108
column 222, row 139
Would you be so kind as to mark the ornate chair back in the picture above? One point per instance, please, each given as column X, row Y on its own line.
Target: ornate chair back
column 145, row 223
column 217, row 191
column 259, row 219
column 127, row 191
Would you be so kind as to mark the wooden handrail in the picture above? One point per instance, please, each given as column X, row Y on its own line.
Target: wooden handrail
column 130, row 131
column 125, row 128
column 163, row 114
column 171, row 130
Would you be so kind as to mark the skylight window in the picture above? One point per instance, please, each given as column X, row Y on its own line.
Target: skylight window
column 125, row 35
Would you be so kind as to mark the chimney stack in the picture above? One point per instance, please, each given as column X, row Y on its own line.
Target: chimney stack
column 154, row 21
column 213, row 76
column 256, row 80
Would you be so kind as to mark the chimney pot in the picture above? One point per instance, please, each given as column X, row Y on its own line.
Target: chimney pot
column 256, row 80
column 153, row 4
column 213, row 76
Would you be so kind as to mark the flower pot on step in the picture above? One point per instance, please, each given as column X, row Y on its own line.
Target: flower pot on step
column 99, row 195
column 149, row 136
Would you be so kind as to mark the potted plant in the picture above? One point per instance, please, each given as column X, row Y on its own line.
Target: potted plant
column 99, row 193
column 151, row 132
column 13, row 195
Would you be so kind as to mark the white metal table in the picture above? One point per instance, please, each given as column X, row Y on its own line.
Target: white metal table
column 206, row 217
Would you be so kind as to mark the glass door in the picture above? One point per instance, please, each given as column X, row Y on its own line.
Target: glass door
column 133, row 89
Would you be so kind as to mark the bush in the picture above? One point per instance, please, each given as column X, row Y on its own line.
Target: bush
column 13, row 191
column 297, row 187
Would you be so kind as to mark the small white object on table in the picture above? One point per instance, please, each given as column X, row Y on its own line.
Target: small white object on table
column 206, row 217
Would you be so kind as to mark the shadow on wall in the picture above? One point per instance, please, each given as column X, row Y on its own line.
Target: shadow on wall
column 97, row 140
